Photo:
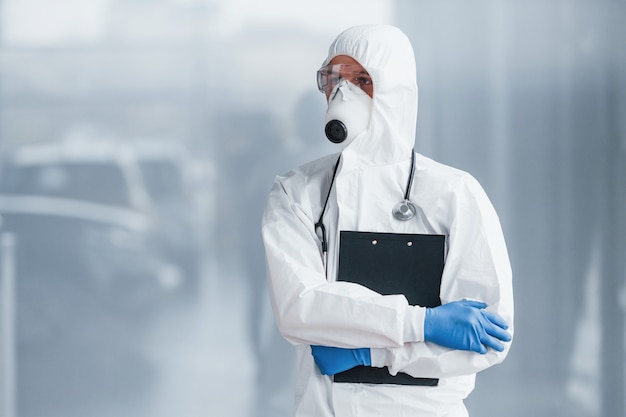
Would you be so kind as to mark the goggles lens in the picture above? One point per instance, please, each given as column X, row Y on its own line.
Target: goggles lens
column 330, row 75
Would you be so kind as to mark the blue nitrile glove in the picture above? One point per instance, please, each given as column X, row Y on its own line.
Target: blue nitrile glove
column 332, row 360
column 465, row 325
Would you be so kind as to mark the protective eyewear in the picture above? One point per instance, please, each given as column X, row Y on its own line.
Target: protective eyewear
column 329, row 76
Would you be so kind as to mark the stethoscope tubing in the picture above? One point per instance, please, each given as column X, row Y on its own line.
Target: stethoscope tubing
column 407, row 192
column 320, row 221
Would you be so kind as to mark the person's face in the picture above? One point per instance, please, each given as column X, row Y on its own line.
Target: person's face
column 344, row 67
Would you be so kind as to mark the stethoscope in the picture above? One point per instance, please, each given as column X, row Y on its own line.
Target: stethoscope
column 404, row 210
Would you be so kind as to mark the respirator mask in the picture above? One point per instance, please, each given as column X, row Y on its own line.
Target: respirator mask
column 349, row 106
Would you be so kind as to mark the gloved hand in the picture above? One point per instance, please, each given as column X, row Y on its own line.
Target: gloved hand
column 465, row 325
column 332, row 360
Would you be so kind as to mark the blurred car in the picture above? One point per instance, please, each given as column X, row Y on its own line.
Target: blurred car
column 95, row 207
column 105, row 242
column 168, row 174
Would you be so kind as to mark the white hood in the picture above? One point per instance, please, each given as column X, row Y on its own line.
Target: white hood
column 386, row 53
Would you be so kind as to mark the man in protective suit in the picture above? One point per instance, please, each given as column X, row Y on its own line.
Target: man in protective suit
column 369, row 79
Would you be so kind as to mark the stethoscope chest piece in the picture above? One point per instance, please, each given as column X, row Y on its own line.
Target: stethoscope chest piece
column 404, row 210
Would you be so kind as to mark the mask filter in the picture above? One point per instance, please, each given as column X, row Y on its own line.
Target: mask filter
column 336, row 131
column 348, row 114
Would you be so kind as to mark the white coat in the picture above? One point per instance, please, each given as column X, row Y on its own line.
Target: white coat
column 312, row 308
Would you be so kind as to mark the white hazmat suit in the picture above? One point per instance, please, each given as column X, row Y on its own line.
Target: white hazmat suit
column 312, row 308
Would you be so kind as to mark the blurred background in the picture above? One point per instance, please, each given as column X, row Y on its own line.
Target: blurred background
column 139, row 139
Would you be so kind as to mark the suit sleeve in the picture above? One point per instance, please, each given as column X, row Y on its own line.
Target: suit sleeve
column 477, row 267
column 309, row 309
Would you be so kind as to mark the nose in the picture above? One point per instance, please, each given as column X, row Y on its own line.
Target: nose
column 342, row 84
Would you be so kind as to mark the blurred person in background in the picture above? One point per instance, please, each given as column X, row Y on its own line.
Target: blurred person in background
column 429, row 356
column 241, row 250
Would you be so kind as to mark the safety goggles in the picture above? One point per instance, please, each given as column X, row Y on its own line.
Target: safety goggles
column 329, row 76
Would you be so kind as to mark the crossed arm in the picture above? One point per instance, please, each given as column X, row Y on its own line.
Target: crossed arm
column 345, row 320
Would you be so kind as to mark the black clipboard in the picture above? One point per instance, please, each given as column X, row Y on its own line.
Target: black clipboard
column 392, row 263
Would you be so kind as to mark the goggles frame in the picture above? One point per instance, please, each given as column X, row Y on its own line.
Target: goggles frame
column 330, row 75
